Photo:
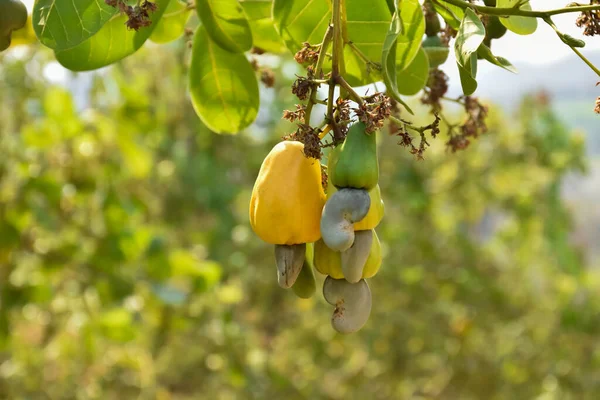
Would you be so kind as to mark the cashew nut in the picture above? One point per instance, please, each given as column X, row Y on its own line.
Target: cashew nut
column 352, row 303
column 341, row 211
column 289, row 263
column 355, row 258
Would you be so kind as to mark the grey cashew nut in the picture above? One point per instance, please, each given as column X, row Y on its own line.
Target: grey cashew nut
column 352, row 303
column 341, row 211
column 289, row 263
column 355, row 258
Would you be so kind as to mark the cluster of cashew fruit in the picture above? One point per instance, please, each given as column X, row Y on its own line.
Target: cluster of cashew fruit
column 332, row 232
column 13, row 16
column 437, row 51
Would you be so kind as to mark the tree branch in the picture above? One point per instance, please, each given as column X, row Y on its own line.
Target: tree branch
column 506, row 12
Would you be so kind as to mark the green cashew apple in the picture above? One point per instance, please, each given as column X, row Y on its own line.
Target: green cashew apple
column 13, row 16
column 353, row 164
column 436, row 51
column 494, row 28
column 432, row 24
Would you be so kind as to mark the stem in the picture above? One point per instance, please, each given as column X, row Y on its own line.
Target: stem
column 585, row 60
column 549, row 21
column 318, row 71
column 324, row 131
column 336, row 59
column 346, row 86
column 338, row 40
column 518, row 12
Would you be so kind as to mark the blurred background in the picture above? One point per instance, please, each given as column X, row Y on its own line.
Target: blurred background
column 128, row 269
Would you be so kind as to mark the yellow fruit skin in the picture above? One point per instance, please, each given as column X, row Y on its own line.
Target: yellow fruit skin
column 329, row 262
column 287, row 198
column 376, row 211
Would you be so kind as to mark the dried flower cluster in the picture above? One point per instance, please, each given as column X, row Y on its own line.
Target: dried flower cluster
column 374, row 110
column 301, row 87
column 437, row 86
column 267, row 76
column 590, row 20
column 310, row 137
column 407, row 141
column 138, row 16
column 295, row 115
column 473, row 127
column 597, row 108
column 308, row 54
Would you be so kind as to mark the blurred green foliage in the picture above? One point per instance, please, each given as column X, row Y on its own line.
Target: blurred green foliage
column 128, row 269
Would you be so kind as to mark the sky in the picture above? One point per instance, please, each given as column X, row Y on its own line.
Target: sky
column 544, row 45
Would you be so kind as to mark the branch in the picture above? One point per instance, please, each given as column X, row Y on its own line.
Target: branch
column 318, row 70
column 505, row 12
column 561, row 35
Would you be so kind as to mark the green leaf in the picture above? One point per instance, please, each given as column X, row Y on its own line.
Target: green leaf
column 467, row 81
column 226, row 24
column 172, row 24
column 470, row 36
column 222, row 85
column 299, row 21
column 388, row 55
column 409, row 41
column 112, row 43
column 264, row 35
column 485, row 52
column 452, row 14
column 519, row 25
column 61, row 25
column 388, row 58
column 367, row 25
column 414, row 78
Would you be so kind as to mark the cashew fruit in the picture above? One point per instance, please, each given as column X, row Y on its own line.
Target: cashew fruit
column 436, row 51
column 432, row 24
column 13, row 16
column 494, row 28
column 353, row 164
column 329, row 262
column 288, row 197
column 376, row 210
column 305, row 285
column 342, row 210
column 352, row 303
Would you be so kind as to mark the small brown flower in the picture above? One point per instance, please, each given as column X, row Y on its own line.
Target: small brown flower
column 437, row 86
column 310, row 137
column 267, row 76
column 307, row 54
column 457, row 142
column 374, row 110
column 301, row 87
column 299, row 114
column 590, row 21
column 597, row 108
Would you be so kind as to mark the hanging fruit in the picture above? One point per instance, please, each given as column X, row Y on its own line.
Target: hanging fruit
column 285, row 206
